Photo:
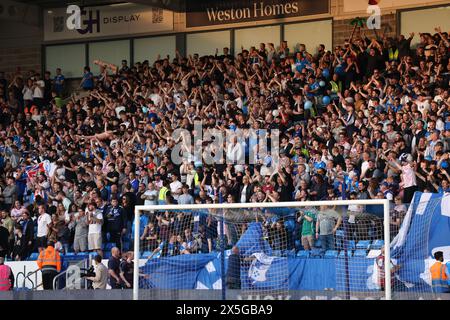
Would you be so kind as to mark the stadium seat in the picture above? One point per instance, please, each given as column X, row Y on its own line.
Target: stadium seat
column 377, row 244
column 146, row 254
column 351, row 245
column 107, row 255
column 303, row 254
column 363, row 244
column 69, row 254
column 329, row 254
column 33, row 256
column 317, row 243
column 360, row 253
column 316, row 253
column 276, row 253
column 289, row 253
column 126, row 246
column 82, row 254
column 373, row 253
column 342, row 253
column 109, row 246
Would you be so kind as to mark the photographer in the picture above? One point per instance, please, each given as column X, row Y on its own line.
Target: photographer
column 100, row 279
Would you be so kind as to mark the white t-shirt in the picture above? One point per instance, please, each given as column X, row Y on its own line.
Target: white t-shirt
column 244, row 194
column 174, row 186
column 43, row 221
column 408, row 176
column 27, row 93
column 153, row 193
column 95, row 227
column 39, row 91
column 156, row 98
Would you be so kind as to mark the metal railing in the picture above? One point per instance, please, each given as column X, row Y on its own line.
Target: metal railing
column 81, row 265
column 34, row 284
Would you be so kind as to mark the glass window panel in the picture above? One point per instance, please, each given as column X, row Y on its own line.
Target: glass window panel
column 311, row 34
column 150, row 48
column 70, row 58
column 254, row 36
column 109, row 51
column 205, row 43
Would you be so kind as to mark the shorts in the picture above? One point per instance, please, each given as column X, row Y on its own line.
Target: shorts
column 80, row 244
column 41, row 242
column 308, row 241
column 95, row 241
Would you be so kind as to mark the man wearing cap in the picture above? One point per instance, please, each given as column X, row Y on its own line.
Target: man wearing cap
column 408, row 176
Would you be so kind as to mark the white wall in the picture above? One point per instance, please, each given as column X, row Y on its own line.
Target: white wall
column 205, row 43
column 311, row 34
column 149, row 48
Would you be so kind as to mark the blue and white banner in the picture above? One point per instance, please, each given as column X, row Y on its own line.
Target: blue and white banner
column 425, row 230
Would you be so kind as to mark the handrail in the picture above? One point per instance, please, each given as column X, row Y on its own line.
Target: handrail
column 63, row 273
column 57, row 277
column 28, row 278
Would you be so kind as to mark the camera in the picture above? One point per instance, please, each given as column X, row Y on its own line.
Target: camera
column 87, row 272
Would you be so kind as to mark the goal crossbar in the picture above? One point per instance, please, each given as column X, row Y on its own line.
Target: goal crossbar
column 263, row 205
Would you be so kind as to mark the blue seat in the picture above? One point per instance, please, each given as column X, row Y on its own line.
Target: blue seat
column 33, row 256
column 126, row 246
column 330, row 254
column 316, row 253
column 70, row 254
column 82, row 254
column 377, row 244
column 303, row 254
column 363, row 244
column 351, row 245
column 360, row 253
column 146, row 254
column 109, row 246
column 107, row 255
column 342, row 253
column 317, row 243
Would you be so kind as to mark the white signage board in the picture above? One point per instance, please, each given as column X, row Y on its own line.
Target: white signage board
column 105, row 21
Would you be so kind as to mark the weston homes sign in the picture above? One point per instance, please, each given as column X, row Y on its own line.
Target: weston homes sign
column 109, row 20
column 215, row 12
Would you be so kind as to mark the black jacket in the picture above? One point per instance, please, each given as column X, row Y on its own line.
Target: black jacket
column 28, row 231
column 248, row 193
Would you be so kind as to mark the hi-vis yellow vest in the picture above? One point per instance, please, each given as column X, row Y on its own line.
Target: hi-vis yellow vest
column 393, row 55
column 334, row 87
column 196, row 180
column 162, row 193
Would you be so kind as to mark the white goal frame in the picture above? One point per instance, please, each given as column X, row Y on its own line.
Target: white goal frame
column 383, row 202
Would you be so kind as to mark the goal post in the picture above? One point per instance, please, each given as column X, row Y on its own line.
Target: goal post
column 263, row 206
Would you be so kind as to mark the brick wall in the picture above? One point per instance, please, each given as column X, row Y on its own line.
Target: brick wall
column 342, row 29
column 28, row 58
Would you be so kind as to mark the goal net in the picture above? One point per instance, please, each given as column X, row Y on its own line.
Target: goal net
column 338, row 249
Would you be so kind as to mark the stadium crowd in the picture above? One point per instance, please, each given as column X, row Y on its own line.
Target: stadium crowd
column 366, row 119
